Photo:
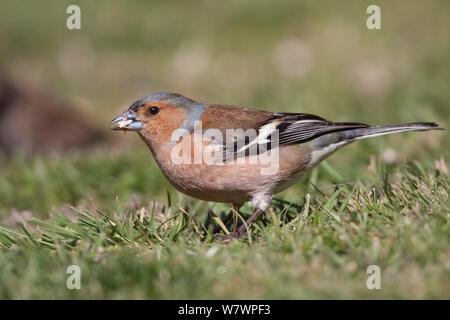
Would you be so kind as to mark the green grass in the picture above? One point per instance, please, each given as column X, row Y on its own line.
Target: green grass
column 84, row 208
column 318, row 247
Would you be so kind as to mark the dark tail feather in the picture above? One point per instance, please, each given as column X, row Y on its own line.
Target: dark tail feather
column 362, row 133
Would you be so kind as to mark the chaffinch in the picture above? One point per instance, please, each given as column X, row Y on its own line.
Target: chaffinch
column 224, row 153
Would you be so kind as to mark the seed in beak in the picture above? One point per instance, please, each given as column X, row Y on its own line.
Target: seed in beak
column 127, row 121
column 123, row 123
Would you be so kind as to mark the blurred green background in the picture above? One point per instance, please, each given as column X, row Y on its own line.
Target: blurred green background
column 292, row 56
column 297, row 56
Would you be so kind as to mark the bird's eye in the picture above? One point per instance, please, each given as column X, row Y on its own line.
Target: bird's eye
column 153, row 110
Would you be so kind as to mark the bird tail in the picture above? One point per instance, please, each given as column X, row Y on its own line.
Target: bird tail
column 327, row 144
column 362, row 133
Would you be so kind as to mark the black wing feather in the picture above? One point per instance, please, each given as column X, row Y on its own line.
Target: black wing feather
column 293, row 128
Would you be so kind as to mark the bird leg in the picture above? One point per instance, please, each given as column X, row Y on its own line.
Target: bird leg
column 255, row 215
column 224, row 221
column 241, row 230
column 232, row 213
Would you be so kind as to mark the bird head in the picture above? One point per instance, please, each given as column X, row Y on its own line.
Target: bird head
column 155, row 117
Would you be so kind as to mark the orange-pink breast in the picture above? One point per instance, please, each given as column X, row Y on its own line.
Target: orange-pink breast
column 233, row 182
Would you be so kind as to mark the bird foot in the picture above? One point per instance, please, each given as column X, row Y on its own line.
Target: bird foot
column 233, row 235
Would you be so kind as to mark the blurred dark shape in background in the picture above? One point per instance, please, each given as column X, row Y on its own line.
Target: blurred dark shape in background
column 33, row 122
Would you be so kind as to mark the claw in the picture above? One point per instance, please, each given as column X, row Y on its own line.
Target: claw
column 233, row 235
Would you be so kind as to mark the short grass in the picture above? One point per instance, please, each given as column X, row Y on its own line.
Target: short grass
column 360, row 208
column 318, row 246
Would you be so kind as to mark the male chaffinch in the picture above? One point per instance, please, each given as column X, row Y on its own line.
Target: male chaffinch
column 179, row 130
